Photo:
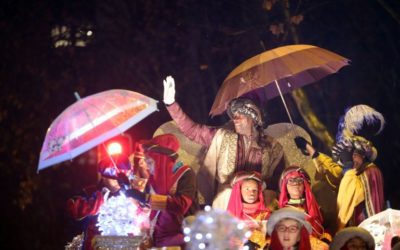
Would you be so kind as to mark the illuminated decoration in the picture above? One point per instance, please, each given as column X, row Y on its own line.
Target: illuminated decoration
column 76, row 243
column 215, row 229
column 119, row 216
column 114, row 148
column 67, row 36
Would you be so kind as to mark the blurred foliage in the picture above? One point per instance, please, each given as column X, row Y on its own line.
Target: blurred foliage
column 136, row 44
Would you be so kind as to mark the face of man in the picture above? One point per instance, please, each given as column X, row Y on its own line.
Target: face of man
column 288, row 232
column 295, row 187
column 243, row 124
column 144, row 167
column 358, row 160
column 141, row 168
column 356, row 244
column 249, row 191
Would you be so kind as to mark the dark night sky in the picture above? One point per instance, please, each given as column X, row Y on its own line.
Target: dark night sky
column 135, row 45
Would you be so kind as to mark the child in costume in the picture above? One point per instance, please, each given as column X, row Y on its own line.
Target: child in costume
column 289, row 229
column 247, row 203
column 353, row 238
column 295, row 186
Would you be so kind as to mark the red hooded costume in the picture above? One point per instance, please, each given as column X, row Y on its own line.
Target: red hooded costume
column 308, row 203
column 174, row 190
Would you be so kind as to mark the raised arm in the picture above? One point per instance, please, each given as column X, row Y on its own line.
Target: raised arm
column 199, row 133
column 324, row 164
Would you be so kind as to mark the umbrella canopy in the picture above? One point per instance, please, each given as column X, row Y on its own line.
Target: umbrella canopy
column 383, row 226
column 291, row 66
column 91, row 121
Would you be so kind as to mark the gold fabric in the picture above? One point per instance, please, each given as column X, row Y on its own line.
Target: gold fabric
column 158, row 202
column 351, row 193
column 221, row 157
column 329, row 169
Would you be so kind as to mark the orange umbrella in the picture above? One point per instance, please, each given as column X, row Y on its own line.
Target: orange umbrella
column 289, row 67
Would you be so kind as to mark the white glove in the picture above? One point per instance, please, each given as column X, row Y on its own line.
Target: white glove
column 169, row 90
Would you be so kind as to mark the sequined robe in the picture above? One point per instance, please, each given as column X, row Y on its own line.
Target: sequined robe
column 226, row 155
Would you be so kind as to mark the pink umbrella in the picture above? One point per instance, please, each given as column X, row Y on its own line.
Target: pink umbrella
column 91, row 121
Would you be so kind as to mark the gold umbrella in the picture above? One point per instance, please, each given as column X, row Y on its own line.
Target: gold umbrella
column 289, row 67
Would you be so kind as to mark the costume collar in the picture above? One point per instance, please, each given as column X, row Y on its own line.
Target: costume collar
column 296, row 201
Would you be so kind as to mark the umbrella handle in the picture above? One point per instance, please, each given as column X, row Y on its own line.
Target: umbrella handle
column 284, row 103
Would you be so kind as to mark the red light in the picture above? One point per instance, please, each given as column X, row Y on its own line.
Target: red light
column 117, row 146
column 114, row 148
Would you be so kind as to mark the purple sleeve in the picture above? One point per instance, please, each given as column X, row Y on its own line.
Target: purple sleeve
column 198, row 133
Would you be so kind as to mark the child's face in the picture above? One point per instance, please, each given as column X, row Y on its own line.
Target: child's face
column 249, row 191
column 288, row 232
column 295, row 187
column 356, row 243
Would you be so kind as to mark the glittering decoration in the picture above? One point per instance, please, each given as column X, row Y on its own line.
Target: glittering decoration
column 119, row 216
column 76, row 243
column 215, row 229
column 116, row 242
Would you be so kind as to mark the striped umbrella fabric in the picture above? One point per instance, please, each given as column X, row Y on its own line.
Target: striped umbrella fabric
column 91, row 121
column 292, row 67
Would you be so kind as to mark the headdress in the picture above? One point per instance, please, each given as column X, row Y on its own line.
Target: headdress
column 355, row 144
column 163, row 150
column 235, row 204
column 358, row 119
column 287, row 213
column 346, row 234
column 166, row 144
column 291, row 169
column 240, row 176
column 246, row 107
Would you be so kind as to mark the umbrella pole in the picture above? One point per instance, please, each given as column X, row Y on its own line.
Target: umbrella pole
column 284, row 103
column 78, row 98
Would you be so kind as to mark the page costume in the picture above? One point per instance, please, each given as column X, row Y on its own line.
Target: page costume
column 174, row 191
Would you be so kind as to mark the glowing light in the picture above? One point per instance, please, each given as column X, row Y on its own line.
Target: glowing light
column 119, row 216
column 89, row 33
column 214, row 229
column 207, row 208
column 240, row 225
column 199, row 236
column 247, row 234
column 186, row 230
column 186, row 239
column 209, row 220
column 114, row 148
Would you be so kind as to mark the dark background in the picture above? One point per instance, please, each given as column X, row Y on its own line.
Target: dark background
column 135, row 44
